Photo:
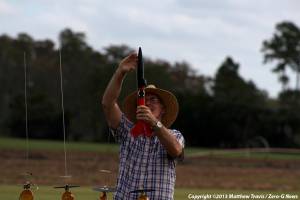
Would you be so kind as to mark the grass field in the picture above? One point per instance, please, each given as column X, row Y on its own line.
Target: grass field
column 20, row 144
column 203, row 172
column 86, row 193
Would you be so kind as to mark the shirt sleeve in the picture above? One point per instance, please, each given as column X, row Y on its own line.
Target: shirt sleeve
column 179, row 137
column 121, row 133
column 181, row 140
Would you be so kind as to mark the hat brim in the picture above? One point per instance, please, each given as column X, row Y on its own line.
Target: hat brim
column 168, row 100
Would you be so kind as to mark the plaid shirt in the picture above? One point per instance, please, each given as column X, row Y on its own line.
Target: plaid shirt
column 144, row 163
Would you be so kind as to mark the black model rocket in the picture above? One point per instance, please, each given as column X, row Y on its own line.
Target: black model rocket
column 141, row 82
column 141, row 127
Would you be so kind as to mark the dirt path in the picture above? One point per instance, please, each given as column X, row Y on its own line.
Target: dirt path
column 197, row 172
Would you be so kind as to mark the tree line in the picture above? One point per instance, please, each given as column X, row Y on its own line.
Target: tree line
column 222, row 111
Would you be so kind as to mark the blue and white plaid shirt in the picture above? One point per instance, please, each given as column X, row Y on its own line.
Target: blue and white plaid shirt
column 144, row 163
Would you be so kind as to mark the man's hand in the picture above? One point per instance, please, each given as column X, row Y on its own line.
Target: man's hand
column 129, row 63
column 109, row 100
column 144, row 113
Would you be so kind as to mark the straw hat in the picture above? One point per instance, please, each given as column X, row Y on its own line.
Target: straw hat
column 168, row 100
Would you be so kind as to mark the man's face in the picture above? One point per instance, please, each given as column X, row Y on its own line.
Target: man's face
column 155, row 105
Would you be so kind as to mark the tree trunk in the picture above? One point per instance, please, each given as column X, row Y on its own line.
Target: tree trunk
column 297, row 80
column 284, row 80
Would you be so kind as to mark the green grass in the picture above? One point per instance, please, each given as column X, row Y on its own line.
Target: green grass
column 20, row 144
column 14, row 143
column 280, row 155
column 85, row 193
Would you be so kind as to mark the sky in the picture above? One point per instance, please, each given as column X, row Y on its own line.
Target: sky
column 200, row 32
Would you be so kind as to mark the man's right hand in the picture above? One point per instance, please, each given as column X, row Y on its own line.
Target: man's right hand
column 110, row 106
column 128, row 64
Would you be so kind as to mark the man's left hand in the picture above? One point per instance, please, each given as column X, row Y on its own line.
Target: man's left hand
column 144, row 113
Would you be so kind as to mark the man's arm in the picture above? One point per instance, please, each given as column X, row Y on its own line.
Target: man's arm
column 109, row 100
column 169, row 141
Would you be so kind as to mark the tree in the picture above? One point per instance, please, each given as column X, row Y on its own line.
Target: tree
column 72, row 41
column 222, row 111
column 186, row 79
column 231, row 87
column 284, row 47
column 44, row 121
column 235, row 107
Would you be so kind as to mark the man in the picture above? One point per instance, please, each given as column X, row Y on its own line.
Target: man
column 145, row 162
